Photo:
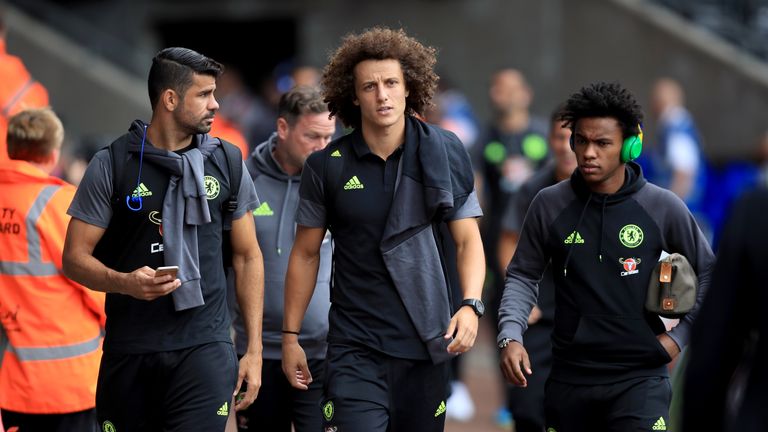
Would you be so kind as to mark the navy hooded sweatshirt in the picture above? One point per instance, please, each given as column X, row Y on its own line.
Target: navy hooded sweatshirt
column 603, row 249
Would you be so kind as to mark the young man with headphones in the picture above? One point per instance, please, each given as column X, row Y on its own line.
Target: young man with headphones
column 602, row 231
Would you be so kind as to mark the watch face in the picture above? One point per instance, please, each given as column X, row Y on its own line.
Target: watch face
column 480, row 307
column 475, row 304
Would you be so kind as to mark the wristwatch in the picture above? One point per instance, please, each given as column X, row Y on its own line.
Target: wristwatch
column 476, row 304
column 504, row 342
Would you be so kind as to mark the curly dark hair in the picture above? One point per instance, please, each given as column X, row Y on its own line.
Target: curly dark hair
column 379, row 43
column 603, row 99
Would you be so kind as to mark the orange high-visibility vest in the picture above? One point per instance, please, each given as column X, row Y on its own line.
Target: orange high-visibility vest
column 18, row 91
column 51, row 325
column 228, row 131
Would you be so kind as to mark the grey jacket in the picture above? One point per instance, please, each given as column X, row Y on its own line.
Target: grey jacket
column 275, row 228
column 434, row 184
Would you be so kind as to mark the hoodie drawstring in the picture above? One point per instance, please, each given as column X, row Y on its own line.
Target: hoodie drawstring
column 282, row 217
column 602, row 222
column 575, row 231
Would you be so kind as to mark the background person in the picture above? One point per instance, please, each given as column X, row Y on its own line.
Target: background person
column 726, row 383
column 303, row 127
column 52, row 324
column 527, row 405
column 18, row 89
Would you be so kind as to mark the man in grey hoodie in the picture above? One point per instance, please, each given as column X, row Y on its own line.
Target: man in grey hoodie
column 303, row 126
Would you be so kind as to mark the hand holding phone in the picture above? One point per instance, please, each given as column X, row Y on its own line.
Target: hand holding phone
column 167, row 270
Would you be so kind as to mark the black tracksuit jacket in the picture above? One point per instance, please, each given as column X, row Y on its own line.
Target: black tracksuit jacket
column 602, row 249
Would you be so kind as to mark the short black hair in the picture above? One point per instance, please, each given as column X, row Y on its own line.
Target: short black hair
column 603, row 99
column 172, row 68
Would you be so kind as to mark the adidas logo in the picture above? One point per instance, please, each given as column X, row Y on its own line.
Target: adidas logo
column 336, row 153
column 660, row 424
column 440, row 409
column 141, row 191
column 353, row 183
column 224, row 410
column 263, row 210
column 574, row 237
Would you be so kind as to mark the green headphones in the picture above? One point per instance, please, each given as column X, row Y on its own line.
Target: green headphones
column 630, row 148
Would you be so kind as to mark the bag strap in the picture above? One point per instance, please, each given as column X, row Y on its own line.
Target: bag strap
column 668, row 302
column 118, row 155
column 234, row 163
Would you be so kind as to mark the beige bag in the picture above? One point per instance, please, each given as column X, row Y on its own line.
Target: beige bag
column 672, row 289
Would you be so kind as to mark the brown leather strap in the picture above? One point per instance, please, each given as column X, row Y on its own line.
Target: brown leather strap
column 665, row 273
column 668, row 302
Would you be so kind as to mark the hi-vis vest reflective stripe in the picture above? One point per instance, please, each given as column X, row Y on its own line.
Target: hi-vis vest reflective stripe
column 50, row 325
column 6, row 111
column 55, row 352
column 34, row 266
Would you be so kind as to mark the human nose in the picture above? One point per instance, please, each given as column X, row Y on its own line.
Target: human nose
column 381, row 92
column 213, row 104
column 589, row 151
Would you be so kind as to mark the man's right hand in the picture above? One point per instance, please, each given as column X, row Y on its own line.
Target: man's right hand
column 514, row 360
column 143, row 285
column 295, row 365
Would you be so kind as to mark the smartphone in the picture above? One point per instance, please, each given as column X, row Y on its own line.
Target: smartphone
column 167, row 270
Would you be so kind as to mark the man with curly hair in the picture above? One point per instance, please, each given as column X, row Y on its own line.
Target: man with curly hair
column 382, row 191
column 602, row 232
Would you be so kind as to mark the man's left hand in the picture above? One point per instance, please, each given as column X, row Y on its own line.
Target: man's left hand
column 463, row 330
column 250, row 371
column 669, row 344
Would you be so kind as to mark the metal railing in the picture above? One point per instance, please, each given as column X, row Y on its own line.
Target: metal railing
column 743, row 23
column 87, row 33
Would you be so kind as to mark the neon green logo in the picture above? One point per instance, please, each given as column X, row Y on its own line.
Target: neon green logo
column 107, row 426
column 574, row 237
column 495, row 152
column 353, row 183
column 212, row 187
column 328, row 411
column 551, row 430
column 440, row 409
column 534, row 147
column 631, row 236
column 141, row 191
column 660, row 424
column 224, row 410
column 336, row 153
column 263, row 210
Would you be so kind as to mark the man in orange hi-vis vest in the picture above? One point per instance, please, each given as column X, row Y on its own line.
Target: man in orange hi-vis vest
column 18, row 90
column 228, row 131
column 51, row 326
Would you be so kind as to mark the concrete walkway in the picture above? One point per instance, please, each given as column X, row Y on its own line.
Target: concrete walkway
column 484, row 380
